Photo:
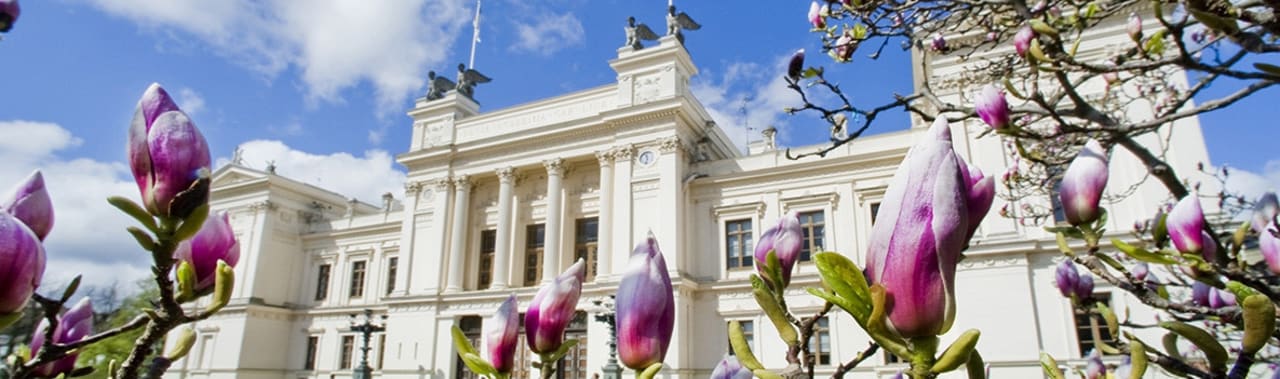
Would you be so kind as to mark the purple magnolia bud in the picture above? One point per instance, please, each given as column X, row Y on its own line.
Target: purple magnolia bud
column 939, row 43
column 981, row 191
column 1269, row 244
column 1084, row 287
column 501, row 336
column 553, row 308
column 9, row 11
column 30, row 202
column 730, row 368
column 1066, row 277
column 1093, row 368
column 992, row 107
column 1265, row 211
column 21, row 263
column 785, row 239
column 845, row 46
column 646, row 308
column 815, row 15
column 1210, row 250
column 1140, row 271
column 914, row 247
column 1134, row 26
column 1219, row 299
column 73, row 326
column 215, row 241
column 1022, row 40
column 1200, row 293
column 796, row 66
column 1124, row 369
column 1083, row 184
column 167, row 154
column 1186, row 225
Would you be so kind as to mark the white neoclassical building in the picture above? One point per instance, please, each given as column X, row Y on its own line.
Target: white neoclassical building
column 497, row 202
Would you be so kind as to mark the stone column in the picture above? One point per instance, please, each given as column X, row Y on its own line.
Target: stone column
column 502, row 241
column 623, row 235
column 458, row 242
column 431, row 265
column 551, row 250
column 604, row 246
column 408, row 236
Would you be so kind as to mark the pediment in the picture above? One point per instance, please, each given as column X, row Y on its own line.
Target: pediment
column 232, row 174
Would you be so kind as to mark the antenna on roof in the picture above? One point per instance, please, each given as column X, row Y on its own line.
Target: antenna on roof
column 475, row 36
column 746, row 121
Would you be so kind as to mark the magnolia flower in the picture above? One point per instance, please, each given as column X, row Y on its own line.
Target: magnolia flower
column 992, row 107
column 1022, row 40
column 981, row 192
column 167, row 154
column 553, row 308
column 73, row 326
column 1066, row 277
column 795, row 67
column 1269, row 244
column 1140, row 271
column 815, row 15
column 645, row 308
column 785, row 239
column 1200, row 293
column 1134, row 26
column 845, row 46
column 1083, row 184
column 1084, row 288
column 1219, row 298
column 1185, row 224
column 914, row 247
column 501, row 335
column 30, row 203
column 21, row 264
column 1094, row 369
column 215, row 241
column 1265, row 211
column 730, row 368
column 9, row 11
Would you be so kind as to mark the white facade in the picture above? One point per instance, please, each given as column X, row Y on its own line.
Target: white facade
column 640, row 155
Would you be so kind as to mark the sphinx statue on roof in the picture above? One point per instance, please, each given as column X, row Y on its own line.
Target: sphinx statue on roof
column 677, row 22
column 638, row 32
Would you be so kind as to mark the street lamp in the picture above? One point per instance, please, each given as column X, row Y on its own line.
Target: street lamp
column 366, row 329
column 606, row 314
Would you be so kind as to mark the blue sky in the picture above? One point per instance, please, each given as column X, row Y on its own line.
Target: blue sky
column 321, row 87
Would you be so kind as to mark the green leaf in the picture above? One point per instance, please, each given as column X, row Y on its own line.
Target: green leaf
column 1155, row 44
column 650, row 372
column 738, row 341
column 142, row 237
column 1113, row 323
column 810, row 73
column 186, row 278
column 71, row 290
column 976, row 368
column 1044, row 28
column 134, row 210
column 1267, row 68
column 958, row 353
column 223, row 283
column 9, row 318
column 1170, row 342
column 1137, row 359
column 191, row 225
column 845, row 279
column 1141, row 254
column 469, row 355
column 562, row 351
column 1213, row 351
column 774, row 270
column 1259, row 323
column 769, row 304
column 765, row 374
column 1215, row 22
column 1050, row 366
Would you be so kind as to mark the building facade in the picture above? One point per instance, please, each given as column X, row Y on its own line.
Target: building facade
column 499, row 202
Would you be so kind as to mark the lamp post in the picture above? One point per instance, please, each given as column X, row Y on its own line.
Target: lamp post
column 606, row 314
column 366, row 329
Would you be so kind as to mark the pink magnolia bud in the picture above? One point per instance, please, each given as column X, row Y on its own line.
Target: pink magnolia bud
column 992, row 107
column 215, row 241
column 815, row 15
column 1022, row 40
column 502, row 335
column 785, row 239
column 1265, row 211
column 21, row 263
column 1140, row 271
column 553, row 308
column 646, row 308
column 9, row 11
column 1221, row 299
column 981, row 192
column 1134, row 26
column 1269, row 244
column 30, row 202
column 1094, row 369
column 167, row 154
column 1186, row 225
column 1083, row 184
column 845, row 46
column 795, row 67
column 1111, row 77
column 730, row 368
column 1200, row 293
column 73, row 326
column 916, row 243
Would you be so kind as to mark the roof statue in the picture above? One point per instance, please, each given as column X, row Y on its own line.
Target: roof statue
column 438, row 85
column 468, row 79
column 677, row 22
column 637, row 32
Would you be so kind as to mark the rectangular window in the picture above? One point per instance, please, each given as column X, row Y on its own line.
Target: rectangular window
column 535, row 239
column 313, row 343
column 357, row 279
column 820, row 342
column 1091, row 328
column 393, row 265
column 749, row 332
column 382, row 350
column 348, row 348
column 738, row 242
column 587, row 233
column 322, row 282
column 488, row 244
column 813, row 225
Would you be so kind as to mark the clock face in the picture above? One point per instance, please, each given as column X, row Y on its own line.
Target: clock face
column 647, row 158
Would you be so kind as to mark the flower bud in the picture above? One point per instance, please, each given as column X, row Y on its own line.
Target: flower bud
column 785, row 239
column 815, row 15
column 167, row 154
column 1140, row 271
column 1084, row 287
column 1220, row 299
column 915, row 245
column 1066, row 277
column 1083, row 184
column 553, row 308
column 845, row 46
column 73, row 326
column 1093, row 368
column 215, row 241
column 796, row 66
column 1134, row 26
column 501, row 336
column 730, row 368
column 1269, row 244
column 980, row 193
column 1265, row 211
column 22, row 262
column 30, row 203
column 992, row 107
column 1200, row 293
column 646, row 308
column 1022, row 40
column 1185, row 224
column 939, row 43
column 9, row 11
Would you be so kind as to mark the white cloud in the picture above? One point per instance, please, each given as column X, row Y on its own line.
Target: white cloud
column 365, row 177
column 88, row 236
column 1251, row 185
column 335, row 44
column 548, row 33
column 758, row 89
column 190, row 101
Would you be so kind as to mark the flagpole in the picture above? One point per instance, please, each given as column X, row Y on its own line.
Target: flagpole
column 475, row 36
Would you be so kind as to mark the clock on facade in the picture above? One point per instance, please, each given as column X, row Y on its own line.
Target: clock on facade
column 647, row 158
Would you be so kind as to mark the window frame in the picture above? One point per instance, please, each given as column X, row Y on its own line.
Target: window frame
column 324, row 280
column 1095, row 324
column 590, row 244
column 746, row 254
column 488, row 247
column 807, row 247
column 393, row 269
column 346, row 351
column 534, row 248
column 312, row 352
column 356, row 283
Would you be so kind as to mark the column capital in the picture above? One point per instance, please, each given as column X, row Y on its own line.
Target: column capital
column 624, row 152
column 442, row 184
column 414, row 187
column 669, row 144
column 506, row 174
column 462, row 183
column 555, row 167
column 605, row 157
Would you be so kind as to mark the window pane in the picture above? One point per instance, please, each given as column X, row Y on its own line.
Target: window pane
column 393, row 264
column 738, row 243
column 357, row 279
column 322, row 282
